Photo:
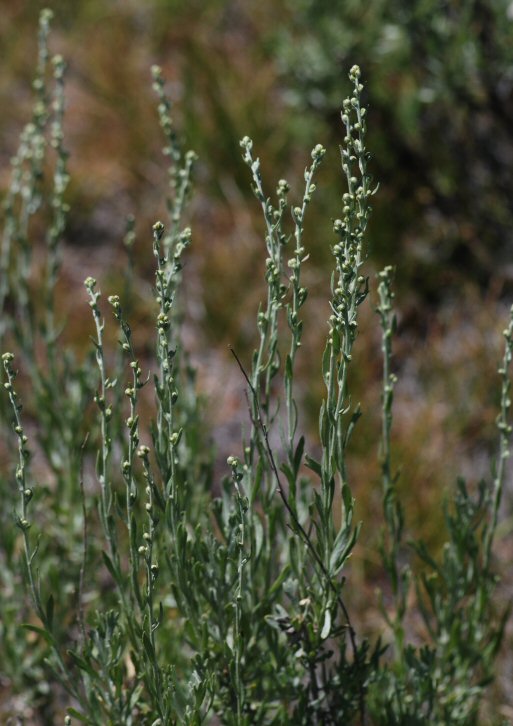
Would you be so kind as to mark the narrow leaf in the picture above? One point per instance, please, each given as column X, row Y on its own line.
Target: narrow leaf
column 298, row 456
column 148, row 647
column 279, row 580
column 326, row 628
column 40, row 631
column 110, row 566
column 49, row 612
column 314, row 465
column 82, row 664
column 76, row 714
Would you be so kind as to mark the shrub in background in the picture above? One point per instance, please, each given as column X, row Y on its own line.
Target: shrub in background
column 143, row 597
column 437, row 71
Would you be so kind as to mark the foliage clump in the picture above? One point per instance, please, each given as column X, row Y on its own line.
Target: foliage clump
column 150, row 600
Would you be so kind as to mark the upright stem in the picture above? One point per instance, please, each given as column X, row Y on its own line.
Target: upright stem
column 105, row 417
column 132, row 423
column 26, row 494
column 505, row 429
column 392, row 508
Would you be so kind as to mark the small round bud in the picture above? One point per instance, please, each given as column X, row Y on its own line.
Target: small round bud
column 318, row 152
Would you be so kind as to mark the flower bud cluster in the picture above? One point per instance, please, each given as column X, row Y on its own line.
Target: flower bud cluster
column 26, row 493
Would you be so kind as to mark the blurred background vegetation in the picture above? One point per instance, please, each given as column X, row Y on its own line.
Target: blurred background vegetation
column 439, row 88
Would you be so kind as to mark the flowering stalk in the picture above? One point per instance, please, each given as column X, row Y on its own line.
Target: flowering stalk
column 392, row 507
column 298, row 298
column 505, row 429
column 26, row 493
column 132, row 423
column 105, row 409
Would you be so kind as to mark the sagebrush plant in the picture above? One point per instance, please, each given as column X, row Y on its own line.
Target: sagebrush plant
column 136, row 596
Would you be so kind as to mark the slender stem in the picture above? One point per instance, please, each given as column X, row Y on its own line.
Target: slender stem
column 505, row 429
column 26, row 494
column 392, row 508
column 105, row 416
column 81, row 610
column 132, row 423
column 297, row 526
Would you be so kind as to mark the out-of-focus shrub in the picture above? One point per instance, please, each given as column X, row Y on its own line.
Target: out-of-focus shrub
column 441, row 88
